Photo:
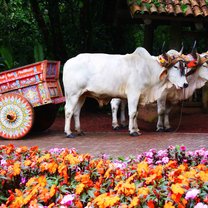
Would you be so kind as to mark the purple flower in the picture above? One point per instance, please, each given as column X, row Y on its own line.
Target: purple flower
column 149, row 154
column 191, row 194
column 68, row 200
column 23, row 180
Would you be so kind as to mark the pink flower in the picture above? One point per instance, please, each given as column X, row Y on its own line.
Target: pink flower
column 68, row 200
column 192, row 194
column 201, row 205
column 165, row 160
column 183, row 148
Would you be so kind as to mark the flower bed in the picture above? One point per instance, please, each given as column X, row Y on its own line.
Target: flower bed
column 30, row 177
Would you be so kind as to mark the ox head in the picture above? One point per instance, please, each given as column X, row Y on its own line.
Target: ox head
column 175, row 68
column 197, row 63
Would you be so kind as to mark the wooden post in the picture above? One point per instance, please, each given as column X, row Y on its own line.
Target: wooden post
column 175, row 36
column 148, row 35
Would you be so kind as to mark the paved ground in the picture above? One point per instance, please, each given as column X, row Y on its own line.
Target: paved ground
column 100, row 138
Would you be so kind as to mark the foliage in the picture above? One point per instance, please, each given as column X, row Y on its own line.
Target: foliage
column 7, row 60
column 38, row 52
column 168, row 178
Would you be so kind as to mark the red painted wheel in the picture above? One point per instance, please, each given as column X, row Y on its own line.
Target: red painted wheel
column 16, row 116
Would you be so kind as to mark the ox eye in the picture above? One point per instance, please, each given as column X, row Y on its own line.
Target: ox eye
column 175, row 67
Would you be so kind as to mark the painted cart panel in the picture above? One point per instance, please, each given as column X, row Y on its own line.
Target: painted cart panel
column 29, row 98
column 38, row 82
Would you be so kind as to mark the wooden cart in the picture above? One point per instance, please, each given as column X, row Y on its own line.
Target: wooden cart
column 29, row 98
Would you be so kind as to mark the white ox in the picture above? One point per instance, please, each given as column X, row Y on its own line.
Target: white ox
column 197, row 79
column 105, row 76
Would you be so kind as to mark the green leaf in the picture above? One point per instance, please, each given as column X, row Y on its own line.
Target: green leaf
column 184, row 7
column 6, row 54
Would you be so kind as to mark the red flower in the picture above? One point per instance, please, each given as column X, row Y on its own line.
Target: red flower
column 191, row 64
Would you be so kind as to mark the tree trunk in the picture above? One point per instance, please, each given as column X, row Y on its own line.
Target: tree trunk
column 41, row 24
column 59, row 49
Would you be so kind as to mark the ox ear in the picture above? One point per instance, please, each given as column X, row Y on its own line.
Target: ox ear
column 163, row 74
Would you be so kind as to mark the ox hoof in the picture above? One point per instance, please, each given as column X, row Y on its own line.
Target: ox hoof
column 169, row 130
column 160, row 130
column 135, row 134
column 116, row 128
column 81, row 133
column 71, row 136
column 123, row 126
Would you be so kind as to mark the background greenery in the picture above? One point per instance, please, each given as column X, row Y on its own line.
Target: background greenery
column 33, row 30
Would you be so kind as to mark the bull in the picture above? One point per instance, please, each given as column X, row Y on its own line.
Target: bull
column 106, row 76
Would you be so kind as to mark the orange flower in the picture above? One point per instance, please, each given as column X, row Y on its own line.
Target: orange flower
column 42, row 181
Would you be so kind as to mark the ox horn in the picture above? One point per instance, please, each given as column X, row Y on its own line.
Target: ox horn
column 194, row 51
column 182, row 47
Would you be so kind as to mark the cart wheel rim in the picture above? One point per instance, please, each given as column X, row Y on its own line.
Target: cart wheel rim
column 16, row 116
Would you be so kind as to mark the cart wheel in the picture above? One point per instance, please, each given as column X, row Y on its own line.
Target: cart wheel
column 44, row 117
column 16, row 116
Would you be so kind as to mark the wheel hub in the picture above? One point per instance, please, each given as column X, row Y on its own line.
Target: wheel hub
column 11, row 116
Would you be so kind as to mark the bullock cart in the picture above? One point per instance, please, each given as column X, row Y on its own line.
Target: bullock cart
column 29, row 98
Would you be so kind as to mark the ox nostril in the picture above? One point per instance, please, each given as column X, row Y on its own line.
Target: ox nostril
column 185, row 85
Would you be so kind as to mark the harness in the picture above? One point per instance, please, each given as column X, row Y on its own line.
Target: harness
column 169, row 61
column 194, row 63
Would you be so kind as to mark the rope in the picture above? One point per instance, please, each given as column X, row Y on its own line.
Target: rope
column 181, row 112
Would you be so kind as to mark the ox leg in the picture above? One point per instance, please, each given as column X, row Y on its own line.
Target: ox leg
column 115, row 102
column 167, row 125
column 123, row 116
column 161, row 105
column 132, row 109
column 69, row 111
column 77, row 116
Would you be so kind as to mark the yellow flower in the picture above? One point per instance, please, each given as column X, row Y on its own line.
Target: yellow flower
column 52, row 190
column 177, row 189
column 203, row 176
column 16, row 168
column 143, row 191
column 44, row 157
column 72, row 160
column 169, row 205
column 105, row 200
column 42, row 181
column 134, row 202
column 27, row 162
column 142, row 168
column 80, row 188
